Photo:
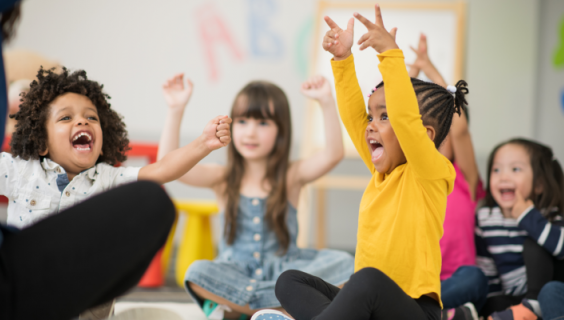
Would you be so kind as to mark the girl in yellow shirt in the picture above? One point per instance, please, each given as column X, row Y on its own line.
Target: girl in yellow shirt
column 398, row 258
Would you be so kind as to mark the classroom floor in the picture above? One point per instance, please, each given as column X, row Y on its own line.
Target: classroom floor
column 169, row 297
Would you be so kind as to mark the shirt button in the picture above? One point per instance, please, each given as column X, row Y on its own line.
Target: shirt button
column 249, row 288
column 67, row 194
column 255, row 202
column 256, row 220
column 258, row 272
column 257, row 237
column 32, row 202
column 256, row 255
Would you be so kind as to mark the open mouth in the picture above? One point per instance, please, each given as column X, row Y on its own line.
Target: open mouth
column 82, row 141
column 250, row 145
column 377, row 149
column 507, row 194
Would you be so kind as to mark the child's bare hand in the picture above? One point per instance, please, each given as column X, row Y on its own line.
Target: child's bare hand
column 176, row 93
column 217, row 133
column 338, row 41
column 317, row 88
column 520, row 205
column 377, row 37
column 422, row 59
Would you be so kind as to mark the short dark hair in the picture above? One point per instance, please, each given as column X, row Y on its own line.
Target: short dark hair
column 547, row 173
column 437, row 105
column 30, row 137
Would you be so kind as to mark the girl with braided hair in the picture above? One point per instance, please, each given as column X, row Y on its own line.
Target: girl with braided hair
column 398, row 258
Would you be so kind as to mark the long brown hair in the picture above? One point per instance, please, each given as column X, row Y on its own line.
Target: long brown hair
column 547, row 174
column 262, row 100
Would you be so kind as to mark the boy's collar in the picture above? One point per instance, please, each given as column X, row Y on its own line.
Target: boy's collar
column 50, row 165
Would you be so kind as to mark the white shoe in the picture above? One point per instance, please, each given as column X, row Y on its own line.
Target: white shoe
column 269, row 314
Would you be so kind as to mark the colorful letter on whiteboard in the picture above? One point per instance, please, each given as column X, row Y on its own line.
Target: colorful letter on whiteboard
column 264, row 41
column 213, row 32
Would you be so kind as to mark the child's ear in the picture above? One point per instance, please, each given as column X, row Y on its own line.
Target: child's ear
column 44, row 152
column 430, row 132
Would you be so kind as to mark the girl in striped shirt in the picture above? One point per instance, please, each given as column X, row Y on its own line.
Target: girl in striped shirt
column 519, row 233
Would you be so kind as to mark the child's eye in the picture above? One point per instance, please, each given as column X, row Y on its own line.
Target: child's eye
column 64, row 118
column 263, row 123
column 516, row 169
column 370, row 118
column 92, row 118
column 495, row 170
column 384, row 116
column 241, row 121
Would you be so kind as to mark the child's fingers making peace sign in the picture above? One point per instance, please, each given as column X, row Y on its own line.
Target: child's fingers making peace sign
column 377, row 37
column 338, row 41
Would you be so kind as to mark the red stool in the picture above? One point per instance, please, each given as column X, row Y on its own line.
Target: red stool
column 5, row 148
column 154, row 276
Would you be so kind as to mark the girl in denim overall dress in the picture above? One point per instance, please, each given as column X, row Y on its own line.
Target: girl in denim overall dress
column 258, row 193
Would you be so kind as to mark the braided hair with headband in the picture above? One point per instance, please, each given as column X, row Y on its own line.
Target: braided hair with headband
column 438, row 105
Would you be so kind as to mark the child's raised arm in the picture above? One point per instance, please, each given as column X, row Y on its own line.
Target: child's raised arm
column 349, row 96
column 176, row 163
column 459, row 134
column 177, row 94
column 416, row 139
column 423, row 63
column 309, row 169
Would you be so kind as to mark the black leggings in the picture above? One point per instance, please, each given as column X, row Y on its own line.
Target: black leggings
column 83, row 256
column 369, row 294
column 542, row 267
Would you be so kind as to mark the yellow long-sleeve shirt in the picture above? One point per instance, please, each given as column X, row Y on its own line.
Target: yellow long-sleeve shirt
column 401, row 214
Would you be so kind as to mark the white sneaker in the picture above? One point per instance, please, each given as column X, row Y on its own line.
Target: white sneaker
column 269, row 314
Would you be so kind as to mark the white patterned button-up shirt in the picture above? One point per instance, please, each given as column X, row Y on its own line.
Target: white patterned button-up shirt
column 32, row 187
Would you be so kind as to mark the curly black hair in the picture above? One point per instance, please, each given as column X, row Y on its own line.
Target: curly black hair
column 30, row 137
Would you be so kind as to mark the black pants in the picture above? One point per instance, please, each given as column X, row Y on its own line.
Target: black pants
column 542, row 267
column 83, row 256
column 369, row 294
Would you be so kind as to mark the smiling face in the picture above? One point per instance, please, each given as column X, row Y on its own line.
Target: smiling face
column 511, row 172
column 254, row 138
column 380, row 137
column 74, row 133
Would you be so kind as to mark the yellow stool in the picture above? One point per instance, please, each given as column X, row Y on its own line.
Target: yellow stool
column 197, row 242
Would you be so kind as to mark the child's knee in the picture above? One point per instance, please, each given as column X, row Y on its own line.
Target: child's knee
column 368, row 280
column 285, row 282
column 370, row 274
column 552, row 291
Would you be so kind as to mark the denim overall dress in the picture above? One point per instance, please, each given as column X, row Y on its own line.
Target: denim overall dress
column 246, row 271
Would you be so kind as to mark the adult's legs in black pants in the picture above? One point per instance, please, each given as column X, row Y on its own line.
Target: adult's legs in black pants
column 369, row 294
column 83, row 256
column 542, row 267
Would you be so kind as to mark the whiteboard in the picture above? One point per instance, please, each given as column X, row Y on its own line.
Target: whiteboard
column 442, row 24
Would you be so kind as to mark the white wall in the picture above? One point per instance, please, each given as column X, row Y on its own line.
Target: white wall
column 132, row 46
column 549, row 111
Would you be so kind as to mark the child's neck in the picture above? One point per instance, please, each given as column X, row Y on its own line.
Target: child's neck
column 253, row 184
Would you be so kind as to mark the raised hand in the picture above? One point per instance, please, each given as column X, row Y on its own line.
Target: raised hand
column 422, row 59
column 176, row 93
column 317, row 88
column 217, row 133
column 520, row 205
column 377, row 37
column 338, row 41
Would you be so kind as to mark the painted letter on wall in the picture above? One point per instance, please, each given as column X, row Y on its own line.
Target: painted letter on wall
column 264, row 41
column 213, row 32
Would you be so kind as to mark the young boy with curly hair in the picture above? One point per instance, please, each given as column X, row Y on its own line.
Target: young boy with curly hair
column 65, row 145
